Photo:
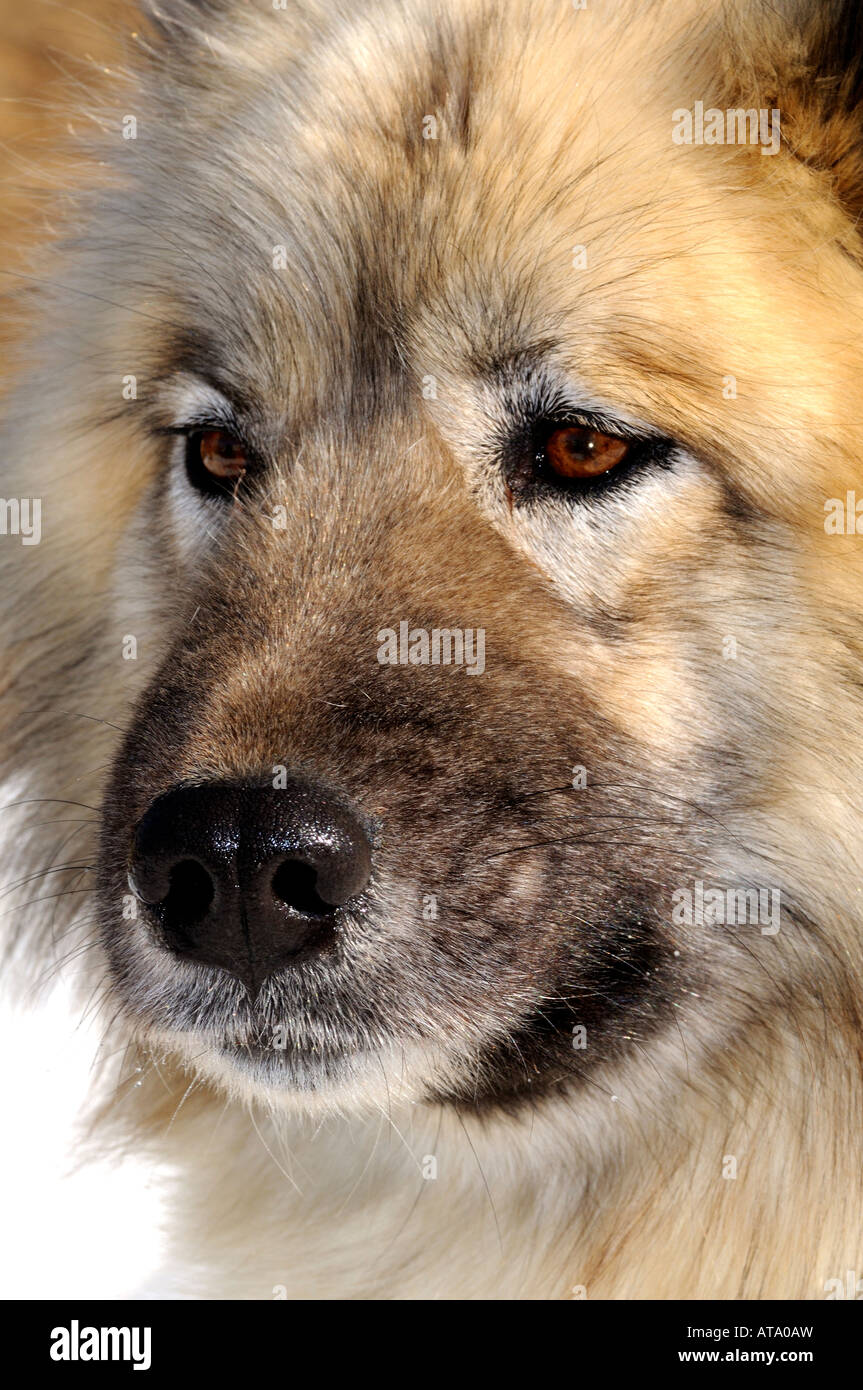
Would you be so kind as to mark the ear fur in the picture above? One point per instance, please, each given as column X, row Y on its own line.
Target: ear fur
column 804, row 58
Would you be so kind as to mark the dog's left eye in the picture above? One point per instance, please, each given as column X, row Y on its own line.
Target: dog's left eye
column 573, row 457
column 577, row 451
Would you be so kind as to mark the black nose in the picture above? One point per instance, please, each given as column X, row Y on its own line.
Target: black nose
column 249, row 878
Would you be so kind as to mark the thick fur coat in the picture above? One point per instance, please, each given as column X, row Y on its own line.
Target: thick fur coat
column 383, row 243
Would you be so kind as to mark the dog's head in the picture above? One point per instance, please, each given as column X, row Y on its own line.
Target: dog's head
column 469, row 512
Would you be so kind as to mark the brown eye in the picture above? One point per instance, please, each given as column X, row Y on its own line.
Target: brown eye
column 222, row 454
column 578, row 451
column 216, row 462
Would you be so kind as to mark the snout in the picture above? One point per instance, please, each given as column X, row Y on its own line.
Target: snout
column 250, row 878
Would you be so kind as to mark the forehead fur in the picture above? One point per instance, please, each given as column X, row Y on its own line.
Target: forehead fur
column 405, row 186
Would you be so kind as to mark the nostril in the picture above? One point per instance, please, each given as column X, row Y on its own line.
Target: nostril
column 295, row 884
column 190, row 893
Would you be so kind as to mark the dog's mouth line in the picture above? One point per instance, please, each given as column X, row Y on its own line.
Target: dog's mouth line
column 278, row 1055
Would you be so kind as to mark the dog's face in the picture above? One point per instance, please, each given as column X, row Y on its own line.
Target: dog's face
column 436, row 334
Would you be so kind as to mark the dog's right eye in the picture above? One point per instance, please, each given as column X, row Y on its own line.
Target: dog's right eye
column 216, row 462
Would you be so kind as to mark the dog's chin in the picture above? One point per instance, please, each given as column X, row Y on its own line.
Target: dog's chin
column 310, row 1080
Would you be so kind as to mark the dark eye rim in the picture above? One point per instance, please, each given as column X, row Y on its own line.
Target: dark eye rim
column 530, row 477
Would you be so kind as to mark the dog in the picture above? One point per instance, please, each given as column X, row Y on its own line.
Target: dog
column 442, row 424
